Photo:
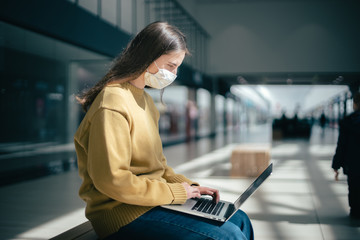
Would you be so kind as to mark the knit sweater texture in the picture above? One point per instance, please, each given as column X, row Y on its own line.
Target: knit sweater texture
column 120, row 159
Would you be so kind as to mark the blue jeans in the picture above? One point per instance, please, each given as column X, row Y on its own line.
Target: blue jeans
column 160, row 223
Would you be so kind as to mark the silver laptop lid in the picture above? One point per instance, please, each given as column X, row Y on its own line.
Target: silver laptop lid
column 255, row 185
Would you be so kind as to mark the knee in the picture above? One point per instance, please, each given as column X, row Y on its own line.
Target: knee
column 242, row 221
column 240, row 218
column 231, row 231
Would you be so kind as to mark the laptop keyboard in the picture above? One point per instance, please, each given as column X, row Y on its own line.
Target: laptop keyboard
column 208, row 206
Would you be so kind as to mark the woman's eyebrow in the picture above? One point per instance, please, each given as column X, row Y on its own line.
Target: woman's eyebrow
column 172, row 63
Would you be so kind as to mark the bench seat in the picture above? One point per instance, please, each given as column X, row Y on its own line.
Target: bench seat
column 83, row 231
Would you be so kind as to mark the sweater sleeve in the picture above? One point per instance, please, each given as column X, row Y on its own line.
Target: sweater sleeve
column 109, row 158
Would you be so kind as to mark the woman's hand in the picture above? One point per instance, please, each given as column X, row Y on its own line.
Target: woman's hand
column 192, row 192
column 197, row 191
column 214, row 193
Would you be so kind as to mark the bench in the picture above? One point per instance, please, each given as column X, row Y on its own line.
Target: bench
column 83, row 231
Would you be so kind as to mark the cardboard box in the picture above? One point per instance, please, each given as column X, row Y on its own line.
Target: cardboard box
column 250, row 160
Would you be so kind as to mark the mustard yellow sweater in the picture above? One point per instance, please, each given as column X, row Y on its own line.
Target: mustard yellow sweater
column 121, row 161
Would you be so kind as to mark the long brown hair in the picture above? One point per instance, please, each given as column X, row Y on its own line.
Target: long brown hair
column 153, row 41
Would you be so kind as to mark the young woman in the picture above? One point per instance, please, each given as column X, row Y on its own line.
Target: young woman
column 120, row 157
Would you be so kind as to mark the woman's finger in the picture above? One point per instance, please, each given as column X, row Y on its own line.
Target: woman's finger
column 214, row 193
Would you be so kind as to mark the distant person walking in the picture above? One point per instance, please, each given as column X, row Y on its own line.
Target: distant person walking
column 347, row 155
column 322, row 120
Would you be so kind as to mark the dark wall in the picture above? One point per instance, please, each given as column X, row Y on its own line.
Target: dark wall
column 65, row 21
column 32, row 99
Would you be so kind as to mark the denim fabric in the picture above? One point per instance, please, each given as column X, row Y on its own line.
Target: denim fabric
column 160, row 223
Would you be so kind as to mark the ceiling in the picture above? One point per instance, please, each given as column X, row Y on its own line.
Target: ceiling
column 292, row 78
column 349, row 79
column 331, row 43
column 290, row 99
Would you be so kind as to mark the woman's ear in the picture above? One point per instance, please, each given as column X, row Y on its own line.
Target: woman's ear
column 152, row 68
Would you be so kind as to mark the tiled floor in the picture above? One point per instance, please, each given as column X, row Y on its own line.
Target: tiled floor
column 299, row 201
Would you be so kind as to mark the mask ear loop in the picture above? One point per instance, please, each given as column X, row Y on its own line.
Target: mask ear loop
column 156, row 65
column 147, row 69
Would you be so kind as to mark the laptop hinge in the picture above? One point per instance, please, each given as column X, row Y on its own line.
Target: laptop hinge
column 229, row 211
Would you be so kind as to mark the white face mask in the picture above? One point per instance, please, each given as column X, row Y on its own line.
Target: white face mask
column 160, row 79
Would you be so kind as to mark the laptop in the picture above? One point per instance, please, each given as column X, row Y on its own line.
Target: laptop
column 223, row 210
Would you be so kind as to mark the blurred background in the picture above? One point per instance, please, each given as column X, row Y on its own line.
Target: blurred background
column 281, row 64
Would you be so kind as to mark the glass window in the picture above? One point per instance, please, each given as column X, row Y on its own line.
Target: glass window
column 172, row 123
column 203, row 102
column 37, row 101
column 108, row 10
column 219, row 108
column 90, row 5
